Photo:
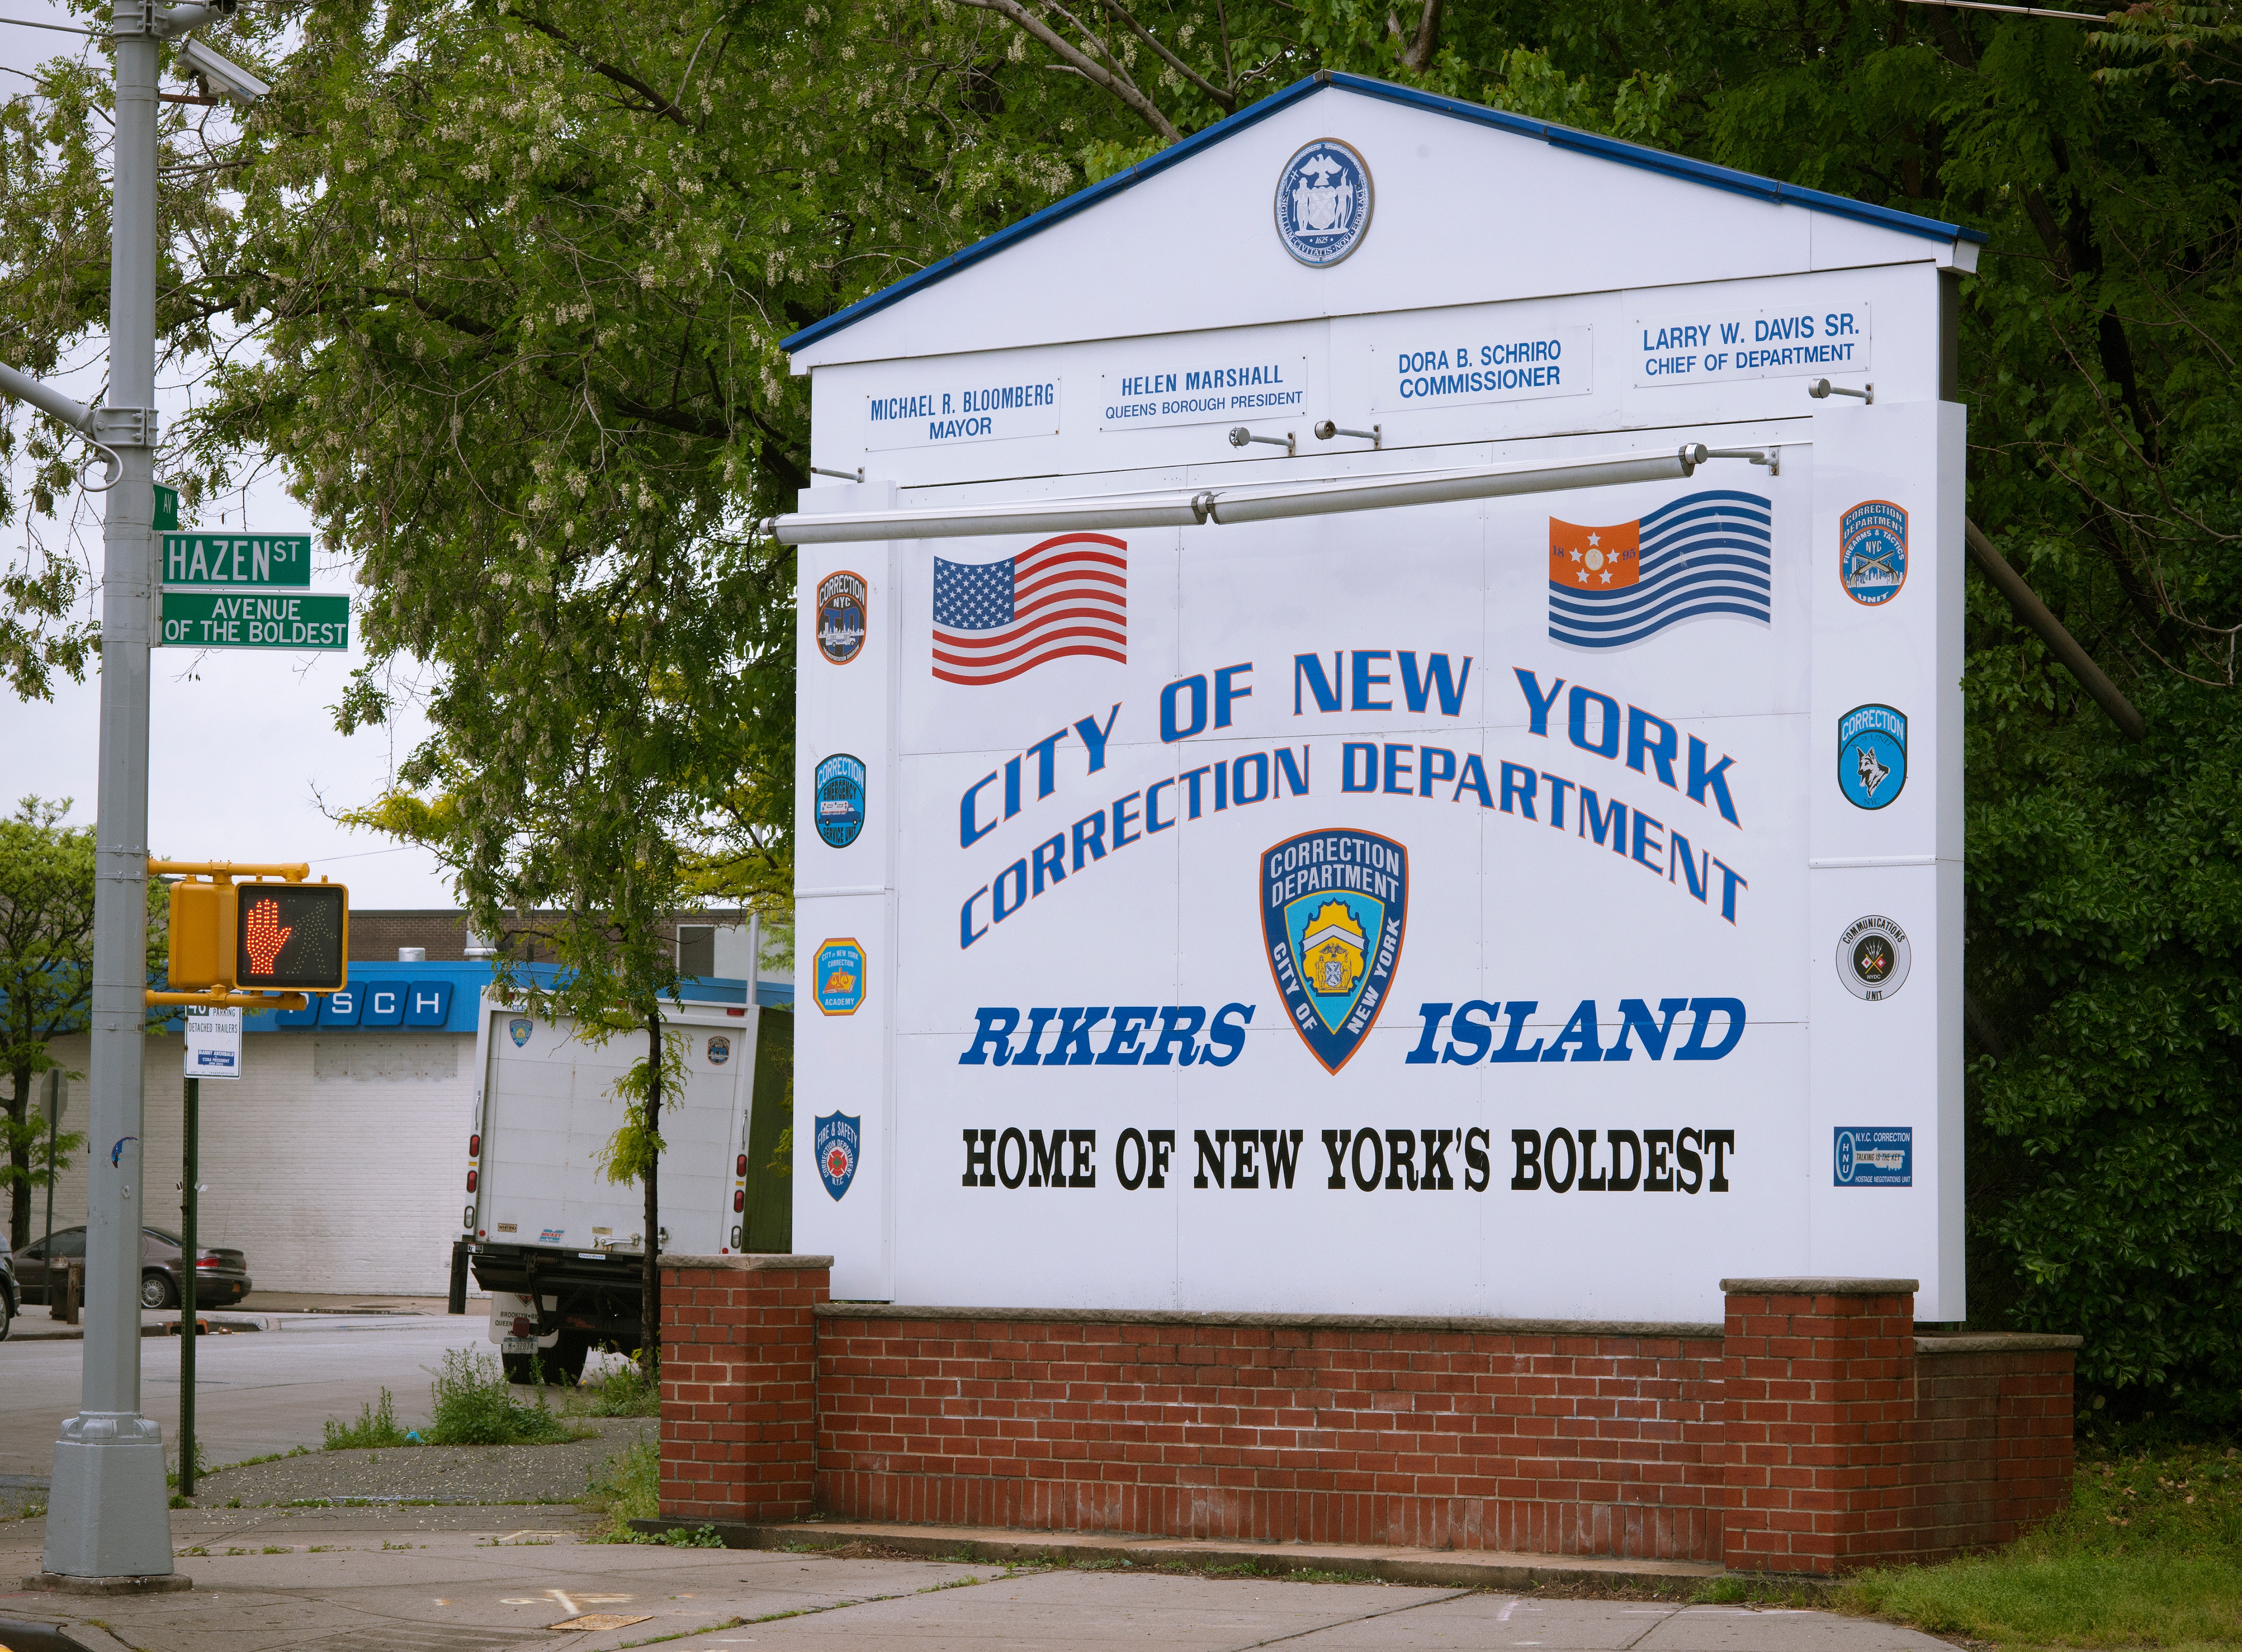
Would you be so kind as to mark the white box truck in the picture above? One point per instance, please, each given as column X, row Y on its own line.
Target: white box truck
column 557, row 1245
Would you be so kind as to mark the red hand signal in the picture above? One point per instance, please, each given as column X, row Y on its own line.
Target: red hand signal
column 263, row 936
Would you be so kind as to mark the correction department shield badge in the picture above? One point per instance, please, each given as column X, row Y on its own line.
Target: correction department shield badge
column 837, row 1137
column 1333, row 908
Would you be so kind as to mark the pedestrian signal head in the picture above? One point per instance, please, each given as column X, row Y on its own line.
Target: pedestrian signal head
column 273, row 935
column 290, row 935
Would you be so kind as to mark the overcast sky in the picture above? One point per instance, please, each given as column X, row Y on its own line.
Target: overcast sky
column 242, row 747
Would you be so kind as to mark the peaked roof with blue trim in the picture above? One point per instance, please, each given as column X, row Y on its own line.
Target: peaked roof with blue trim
column 1610, row 148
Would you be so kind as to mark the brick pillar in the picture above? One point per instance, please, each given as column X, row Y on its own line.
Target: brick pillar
column 1819, row 1378
column 739, row 1384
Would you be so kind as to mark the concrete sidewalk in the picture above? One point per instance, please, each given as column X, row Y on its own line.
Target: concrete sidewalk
column 486, row 1580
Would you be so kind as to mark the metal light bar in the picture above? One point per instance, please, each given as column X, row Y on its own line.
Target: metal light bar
column 1263, row 502
column 46, row 399
column 1053, row 516
column 2021, row 11
column 1447, row 486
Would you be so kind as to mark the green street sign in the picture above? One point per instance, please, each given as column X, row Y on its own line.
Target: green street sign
column 243, row 619
column 236, row 559
column 167, row 507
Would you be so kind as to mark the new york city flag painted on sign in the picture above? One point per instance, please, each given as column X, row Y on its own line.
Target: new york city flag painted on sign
column 1706, row 553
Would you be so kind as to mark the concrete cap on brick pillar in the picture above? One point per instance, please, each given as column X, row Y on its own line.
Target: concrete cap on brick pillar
column 1820, row 1288
column 753, row 1264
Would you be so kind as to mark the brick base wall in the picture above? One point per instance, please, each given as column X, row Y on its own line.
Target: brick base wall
column 1810, row 1433
column 739, row 1384
column 1557, row 1439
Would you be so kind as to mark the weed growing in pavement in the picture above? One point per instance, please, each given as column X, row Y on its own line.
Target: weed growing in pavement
column 376, row 1427
column 202, row 1467
column 627, row 1487
column 387, row 1544
column 2149, row 1553
column 620, row 1391
column 475, row 1406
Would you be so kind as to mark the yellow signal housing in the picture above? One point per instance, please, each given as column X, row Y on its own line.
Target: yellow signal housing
column 289, row 933
column 201, row 936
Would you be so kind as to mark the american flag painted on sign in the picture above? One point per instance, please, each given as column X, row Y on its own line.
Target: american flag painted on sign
column 1708, row 553
column 1068, row 595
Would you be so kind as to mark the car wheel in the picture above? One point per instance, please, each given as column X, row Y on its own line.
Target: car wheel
column 156, row 1291
column 7, row 1316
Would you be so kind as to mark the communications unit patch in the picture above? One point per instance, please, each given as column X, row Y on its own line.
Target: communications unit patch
column 1873, row 955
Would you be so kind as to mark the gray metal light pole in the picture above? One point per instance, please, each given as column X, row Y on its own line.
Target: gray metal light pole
column 107, row 1525
column 106, row 1514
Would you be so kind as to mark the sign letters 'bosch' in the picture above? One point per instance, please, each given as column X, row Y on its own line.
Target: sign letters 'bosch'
column 1501, row 901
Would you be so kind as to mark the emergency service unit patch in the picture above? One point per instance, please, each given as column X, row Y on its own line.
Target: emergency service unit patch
column 838, row 1135
column 518, row 1030
column 1872, row 552
column 839, row 790
column 1332, row 905
column 720, row 1050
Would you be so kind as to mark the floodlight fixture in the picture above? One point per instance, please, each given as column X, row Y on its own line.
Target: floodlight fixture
column 1239, row 436
column 1375, row 435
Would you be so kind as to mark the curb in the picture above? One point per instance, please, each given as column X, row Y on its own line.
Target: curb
column 222, row 1321
column 62, row 1583
column 1451, row 1568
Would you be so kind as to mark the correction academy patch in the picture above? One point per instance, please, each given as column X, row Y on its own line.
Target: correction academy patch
column 1873, row 955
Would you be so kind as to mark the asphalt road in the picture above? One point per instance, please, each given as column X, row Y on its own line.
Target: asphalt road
column 257, row 1392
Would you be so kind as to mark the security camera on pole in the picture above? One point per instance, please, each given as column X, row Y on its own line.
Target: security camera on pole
column 107, row 1525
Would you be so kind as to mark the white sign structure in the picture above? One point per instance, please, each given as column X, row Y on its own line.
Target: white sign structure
column 1500, row 857
column 214, row 1041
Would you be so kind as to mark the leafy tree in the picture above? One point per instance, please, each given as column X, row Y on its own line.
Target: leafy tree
column 46, row 984
column 513, row 272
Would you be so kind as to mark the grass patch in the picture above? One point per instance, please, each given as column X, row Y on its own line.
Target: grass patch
column 376, row 1428
column 621, row 1391
column 2149, row 1554
column 475, row 1406
column 627, row 1487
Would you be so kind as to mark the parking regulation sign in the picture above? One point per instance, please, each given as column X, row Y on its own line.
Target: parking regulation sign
column 213, row 1043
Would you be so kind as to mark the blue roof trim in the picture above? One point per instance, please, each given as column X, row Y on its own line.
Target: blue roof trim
column 1611, row 149
column 1035, row 223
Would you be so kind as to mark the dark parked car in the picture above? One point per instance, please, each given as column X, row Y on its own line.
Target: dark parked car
column 10, row 1301
column 220, row 1276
